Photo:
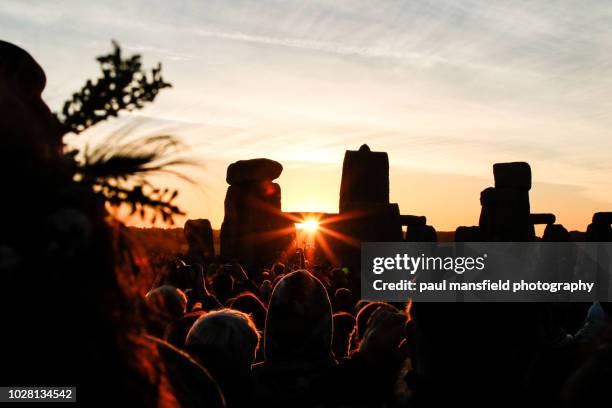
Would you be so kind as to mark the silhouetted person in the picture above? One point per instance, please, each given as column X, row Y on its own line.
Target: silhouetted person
column 265, row 291
column 475, row 353
column 225, row 341
column 223, row 286
column 176, row 332
column 191, row 279
column 251, row 305
column 65, row 259
column 278, row 269
column 297, row 342
column 597, row 322
column 344, row 324
column 368, row 377
column 343, row 301
column 338, row 279
column 589, row 385
column 362, row 320
column 165, row 305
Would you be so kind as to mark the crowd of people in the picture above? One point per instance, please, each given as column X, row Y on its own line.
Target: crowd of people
column 300, row 337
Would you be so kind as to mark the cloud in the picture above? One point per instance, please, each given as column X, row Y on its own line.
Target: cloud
column 327, row 47
column 444, row 87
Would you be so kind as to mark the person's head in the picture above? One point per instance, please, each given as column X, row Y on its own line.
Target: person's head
column 176, row 332
column 299, row 322
column 251, row 305
column 384, row 336
column 364, row 316
column 228, row 333
column 20, row 70
column 28, row 126
column 360, row 305
column 278, row 269
column 184, row 276
column 165, row 305
column 265, row 290
column 265, row 275
column 343, row 301
column 339, row 278
column 344, row 323
column 223, row 286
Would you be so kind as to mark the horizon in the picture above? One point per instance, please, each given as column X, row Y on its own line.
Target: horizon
column 446, row 90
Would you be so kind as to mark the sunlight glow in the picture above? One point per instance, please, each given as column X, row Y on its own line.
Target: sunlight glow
column 309, row 225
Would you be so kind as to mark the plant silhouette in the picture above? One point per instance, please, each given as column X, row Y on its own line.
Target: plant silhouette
column 117, row 168
column 124, row 85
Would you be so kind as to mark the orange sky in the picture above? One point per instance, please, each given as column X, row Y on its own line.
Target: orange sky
column 447, row 89
column 448, row 200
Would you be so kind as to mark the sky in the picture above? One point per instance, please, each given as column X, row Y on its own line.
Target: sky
column 447, row 88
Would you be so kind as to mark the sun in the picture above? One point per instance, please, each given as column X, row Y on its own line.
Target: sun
column 309, row 225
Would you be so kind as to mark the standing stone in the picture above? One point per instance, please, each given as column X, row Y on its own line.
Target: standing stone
column 199, row 237
column 600, row 230
column 247, row 171
column 486, row 222
column 603, row 218
column 376, row 223
column 512, row 215
column 555, row 233
column 514, row 175
column 417, row 229
column 365, row 179
column 468, row 234
column 365, row 214
column 254, row 230
column 421, row 233
column 505, row 214
column 542, row 219
column 413, row 220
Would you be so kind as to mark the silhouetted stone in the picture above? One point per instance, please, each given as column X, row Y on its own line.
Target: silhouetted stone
column 556, row 263
column 515, row 175
column 602, row 218
column 539, row 219
column 413, row 220
column 555, row 233
column 375, row 223
column 199, row 237
column 487, row 196
column 600, row 229
column 468, row 234
column 384, row 223
column 247, row 171
column 486, row 221
column 365, row 212
column 365, row 179
column 505, row 213
column 254, row 229
column 421, row 233
column 531, row 233
column 512, row 215
column 599, row 232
